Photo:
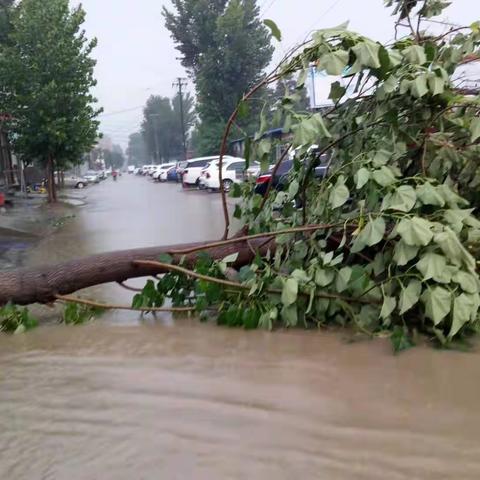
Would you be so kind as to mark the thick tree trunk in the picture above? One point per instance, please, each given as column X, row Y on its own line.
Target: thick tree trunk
column 41, row 284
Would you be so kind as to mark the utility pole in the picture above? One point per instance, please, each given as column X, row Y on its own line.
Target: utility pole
column 180, row 83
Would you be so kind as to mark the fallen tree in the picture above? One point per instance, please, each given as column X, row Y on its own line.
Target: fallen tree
column 43, row 284
column 387, row 242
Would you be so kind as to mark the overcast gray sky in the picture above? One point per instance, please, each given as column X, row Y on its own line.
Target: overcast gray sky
column 136, row 56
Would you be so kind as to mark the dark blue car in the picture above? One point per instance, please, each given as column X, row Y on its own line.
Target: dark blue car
column 172, row 175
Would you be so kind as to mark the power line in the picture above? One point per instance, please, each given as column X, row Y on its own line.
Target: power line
column 119, row 112
column 262, row 14
column 323, row 14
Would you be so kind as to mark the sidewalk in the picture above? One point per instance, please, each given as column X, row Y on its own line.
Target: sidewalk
column 28, row 220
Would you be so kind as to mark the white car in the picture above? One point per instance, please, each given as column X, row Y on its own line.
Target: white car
column 160, row 173
column 146, row 169
column 192, row 169
column 131, row 169
column 92, row 176
column 253, row 171
column 233, row 171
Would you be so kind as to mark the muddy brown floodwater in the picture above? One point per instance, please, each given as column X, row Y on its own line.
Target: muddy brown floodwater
column 126, row 399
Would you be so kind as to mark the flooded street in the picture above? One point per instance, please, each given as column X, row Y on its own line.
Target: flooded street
column 127, row 398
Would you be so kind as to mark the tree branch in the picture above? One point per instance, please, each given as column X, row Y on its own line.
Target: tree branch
column 106, row 306
column 240, row 286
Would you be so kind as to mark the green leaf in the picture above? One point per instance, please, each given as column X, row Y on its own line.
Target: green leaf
column 336, row 91
column 243, row 109
column 334, row 63
column 465, row 310
column 237, row 212
column 415, row 54
column 373, row 232
column 323, row 277
column 264, row 147
column 362, row 177
column 468, row 281
column 389, row 305
column 409, row 296
column 300, row 276
column 138, row 301
column 339, row 195
column 418, row 87
column 367, row 53
column 384, row 176
column 475, row 128
column 343, row 278
column 302, row 78
column 434, row 267
column 415, row 231
column 404, row 253
column 319, row 125
column 165, row 258
column 401, row 339
column 438, row 303
column 273, row 29
column 20, row 329
column 430, row 195
column 293, row 189
column 236, row 191
column 232, row 258
column 436, row 85
column 452, row 199
column 290, row 292
column 403, row 199
column 452, row 247
column 390, row 84
column 290, row 315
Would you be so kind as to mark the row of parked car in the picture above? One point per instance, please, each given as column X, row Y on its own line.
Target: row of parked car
column 203, row 172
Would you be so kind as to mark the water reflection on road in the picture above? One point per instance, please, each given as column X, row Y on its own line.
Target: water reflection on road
column 183, row 400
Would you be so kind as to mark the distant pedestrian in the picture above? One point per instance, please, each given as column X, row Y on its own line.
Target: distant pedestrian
column 114, row 175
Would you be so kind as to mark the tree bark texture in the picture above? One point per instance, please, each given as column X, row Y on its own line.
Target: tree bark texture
column 41, row 284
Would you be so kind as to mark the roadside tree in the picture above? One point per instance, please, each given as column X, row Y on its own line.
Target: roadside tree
column 47, row 71
column 225, row 48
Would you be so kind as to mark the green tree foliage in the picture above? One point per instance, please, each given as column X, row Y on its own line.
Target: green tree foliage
column 225, row 47
column 47, row 70
column 6, row 7
column 392, row 233
column 162, row 127
column 114, row 158
column 137, row 153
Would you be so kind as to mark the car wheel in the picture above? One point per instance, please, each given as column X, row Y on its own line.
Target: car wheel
column 80, row 185
column 227, row 185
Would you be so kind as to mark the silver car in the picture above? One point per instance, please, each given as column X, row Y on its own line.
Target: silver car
column 92, row 176
column 73, row 181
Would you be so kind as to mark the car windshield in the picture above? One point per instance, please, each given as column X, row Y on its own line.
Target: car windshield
column 183, row 164
column 91, row 172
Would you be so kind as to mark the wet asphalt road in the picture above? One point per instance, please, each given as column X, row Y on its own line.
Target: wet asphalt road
column 133, row 212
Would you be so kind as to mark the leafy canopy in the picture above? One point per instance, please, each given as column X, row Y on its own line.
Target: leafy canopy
column 397, row 234
column 225, row 47
column 47, row 73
